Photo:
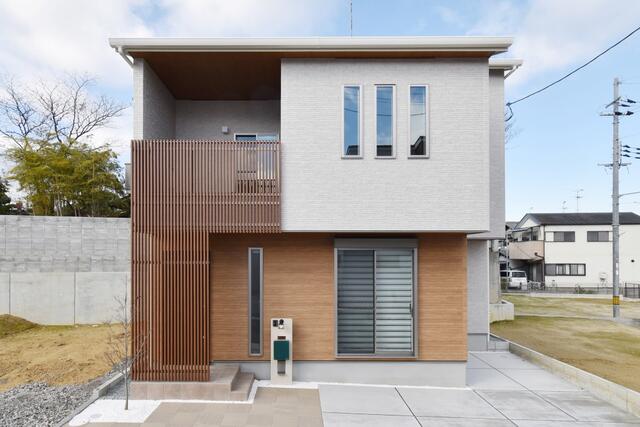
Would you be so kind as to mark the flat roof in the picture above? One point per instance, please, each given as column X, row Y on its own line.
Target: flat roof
column 504, row 64
column 490, row 45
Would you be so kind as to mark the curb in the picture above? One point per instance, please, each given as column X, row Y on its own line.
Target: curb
column 615, row 394
column 98, row 392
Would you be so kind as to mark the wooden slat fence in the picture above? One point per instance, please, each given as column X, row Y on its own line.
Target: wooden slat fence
column 182, row 191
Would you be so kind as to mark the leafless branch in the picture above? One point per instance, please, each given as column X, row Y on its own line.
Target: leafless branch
column 121, row 354
column 20, row 119
column 64, row 111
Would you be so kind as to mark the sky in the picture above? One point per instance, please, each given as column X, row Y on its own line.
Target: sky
column 559, row 136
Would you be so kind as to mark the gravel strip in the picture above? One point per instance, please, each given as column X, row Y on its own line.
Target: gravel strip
column 40, row 404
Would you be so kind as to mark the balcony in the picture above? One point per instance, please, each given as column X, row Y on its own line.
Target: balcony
column 531, row 250
column 206, row 186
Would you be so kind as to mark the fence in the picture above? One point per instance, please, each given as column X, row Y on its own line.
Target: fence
column 63, row 270
column 627, row 289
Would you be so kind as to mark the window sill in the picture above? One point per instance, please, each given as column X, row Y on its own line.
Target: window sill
column 376, row 356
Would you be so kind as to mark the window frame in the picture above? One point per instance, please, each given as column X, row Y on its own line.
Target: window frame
column 415, row 338
column 564, row 268
column 249, row 277
column 393, row 119
column 257, row 134
column 427, row 142
column 563, row 236
column 360, row 154
column 598, row 235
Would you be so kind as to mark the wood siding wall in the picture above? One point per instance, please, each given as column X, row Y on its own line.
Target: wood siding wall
column 182, row 191
column 299, row 283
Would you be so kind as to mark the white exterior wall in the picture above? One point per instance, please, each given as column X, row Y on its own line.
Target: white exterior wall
column 205, row 119
column 478, row 277
column 323, row 192
column 154, row 108
column 496, row 157
column 596, row 255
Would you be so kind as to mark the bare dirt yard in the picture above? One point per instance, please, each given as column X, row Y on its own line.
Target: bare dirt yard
column 57, row 355
column 602, row 347
column 578, row 307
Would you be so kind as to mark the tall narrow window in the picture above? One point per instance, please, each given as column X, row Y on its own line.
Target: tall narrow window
column 351, row 121
column 255, row 301
column 418, row 121
column 384, row 120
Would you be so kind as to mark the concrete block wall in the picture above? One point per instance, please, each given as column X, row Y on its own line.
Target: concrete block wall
column 63, row 244
column 63, row 270
column 64, row 298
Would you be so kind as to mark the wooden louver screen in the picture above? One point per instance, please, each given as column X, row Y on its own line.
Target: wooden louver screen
column 182, row 192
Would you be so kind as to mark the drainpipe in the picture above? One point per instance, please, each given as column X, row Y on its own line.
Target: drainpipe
column 124, row 56
column 513, row 70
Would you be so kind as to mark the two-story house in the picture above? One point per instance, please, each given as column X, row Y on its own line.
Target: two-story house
column 352, row 184
column 574, row 249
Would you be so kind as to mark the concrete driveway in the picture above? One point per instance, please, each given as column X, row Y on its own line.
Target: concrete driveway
column 504, row 391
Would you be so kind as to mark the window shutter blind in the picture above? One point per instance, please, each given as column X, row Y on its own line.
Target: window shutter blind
column 394, row 299
column 355, row 302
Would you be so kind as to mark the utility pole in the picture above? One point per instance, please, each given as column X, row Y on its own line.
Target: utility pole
column 615, row 193
column 615, row 198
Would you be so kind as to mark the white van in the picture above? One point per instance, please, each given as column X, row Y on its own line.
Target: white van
column 513, row 279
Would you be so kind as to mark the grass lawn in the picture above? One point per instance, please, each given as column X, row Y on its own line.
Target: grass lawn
column 587, row 307
column 602, row 347
column 53, row 354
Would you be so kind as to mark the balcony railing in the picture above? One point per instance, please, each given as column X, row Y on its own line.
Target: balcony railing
column 214, row 186
column 530, row 250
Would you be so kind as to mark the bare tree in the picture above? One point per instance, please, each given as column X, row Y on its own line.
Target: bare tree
column 120, row 353
column 64, row 111
column 20, row 119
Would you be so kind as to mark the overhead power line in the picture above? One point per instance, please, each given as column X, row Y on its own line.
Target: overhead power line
column 509, row 104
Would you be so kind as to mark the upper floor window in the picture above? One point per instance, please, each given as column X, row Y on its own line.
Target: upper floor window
column 255, row 137
column 561, row 236
column 351, row 121
column 385, row 125
column 598, row 236
column 418, row 121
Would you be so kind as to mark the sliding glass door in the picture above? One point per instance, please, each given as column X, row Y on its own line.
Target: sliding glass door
column 375, row 302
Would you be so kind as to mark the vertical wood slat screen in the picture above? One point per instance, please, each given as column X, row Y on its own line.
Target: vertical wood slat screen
column 182, row 191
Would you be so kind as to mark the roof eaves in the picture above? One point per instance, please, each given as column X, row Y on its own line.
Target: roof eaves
column 318, row 44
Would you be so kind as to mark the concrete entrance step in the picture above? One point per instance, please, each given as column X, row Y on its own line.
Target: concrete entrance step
column 242, row 386
column 226, row 383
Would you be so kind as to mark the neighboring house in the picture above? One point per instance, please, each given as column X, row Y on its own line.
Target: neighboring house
column 571, row 249
column 352, row 184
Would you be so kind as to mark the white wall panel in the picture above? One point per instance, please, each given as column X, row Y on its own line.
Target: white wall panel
column 447, row 192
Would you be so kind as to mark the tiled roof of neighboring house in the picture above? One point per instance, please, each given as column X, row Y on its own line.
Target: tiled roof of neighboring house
column 582, row 218
column 511, row 224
